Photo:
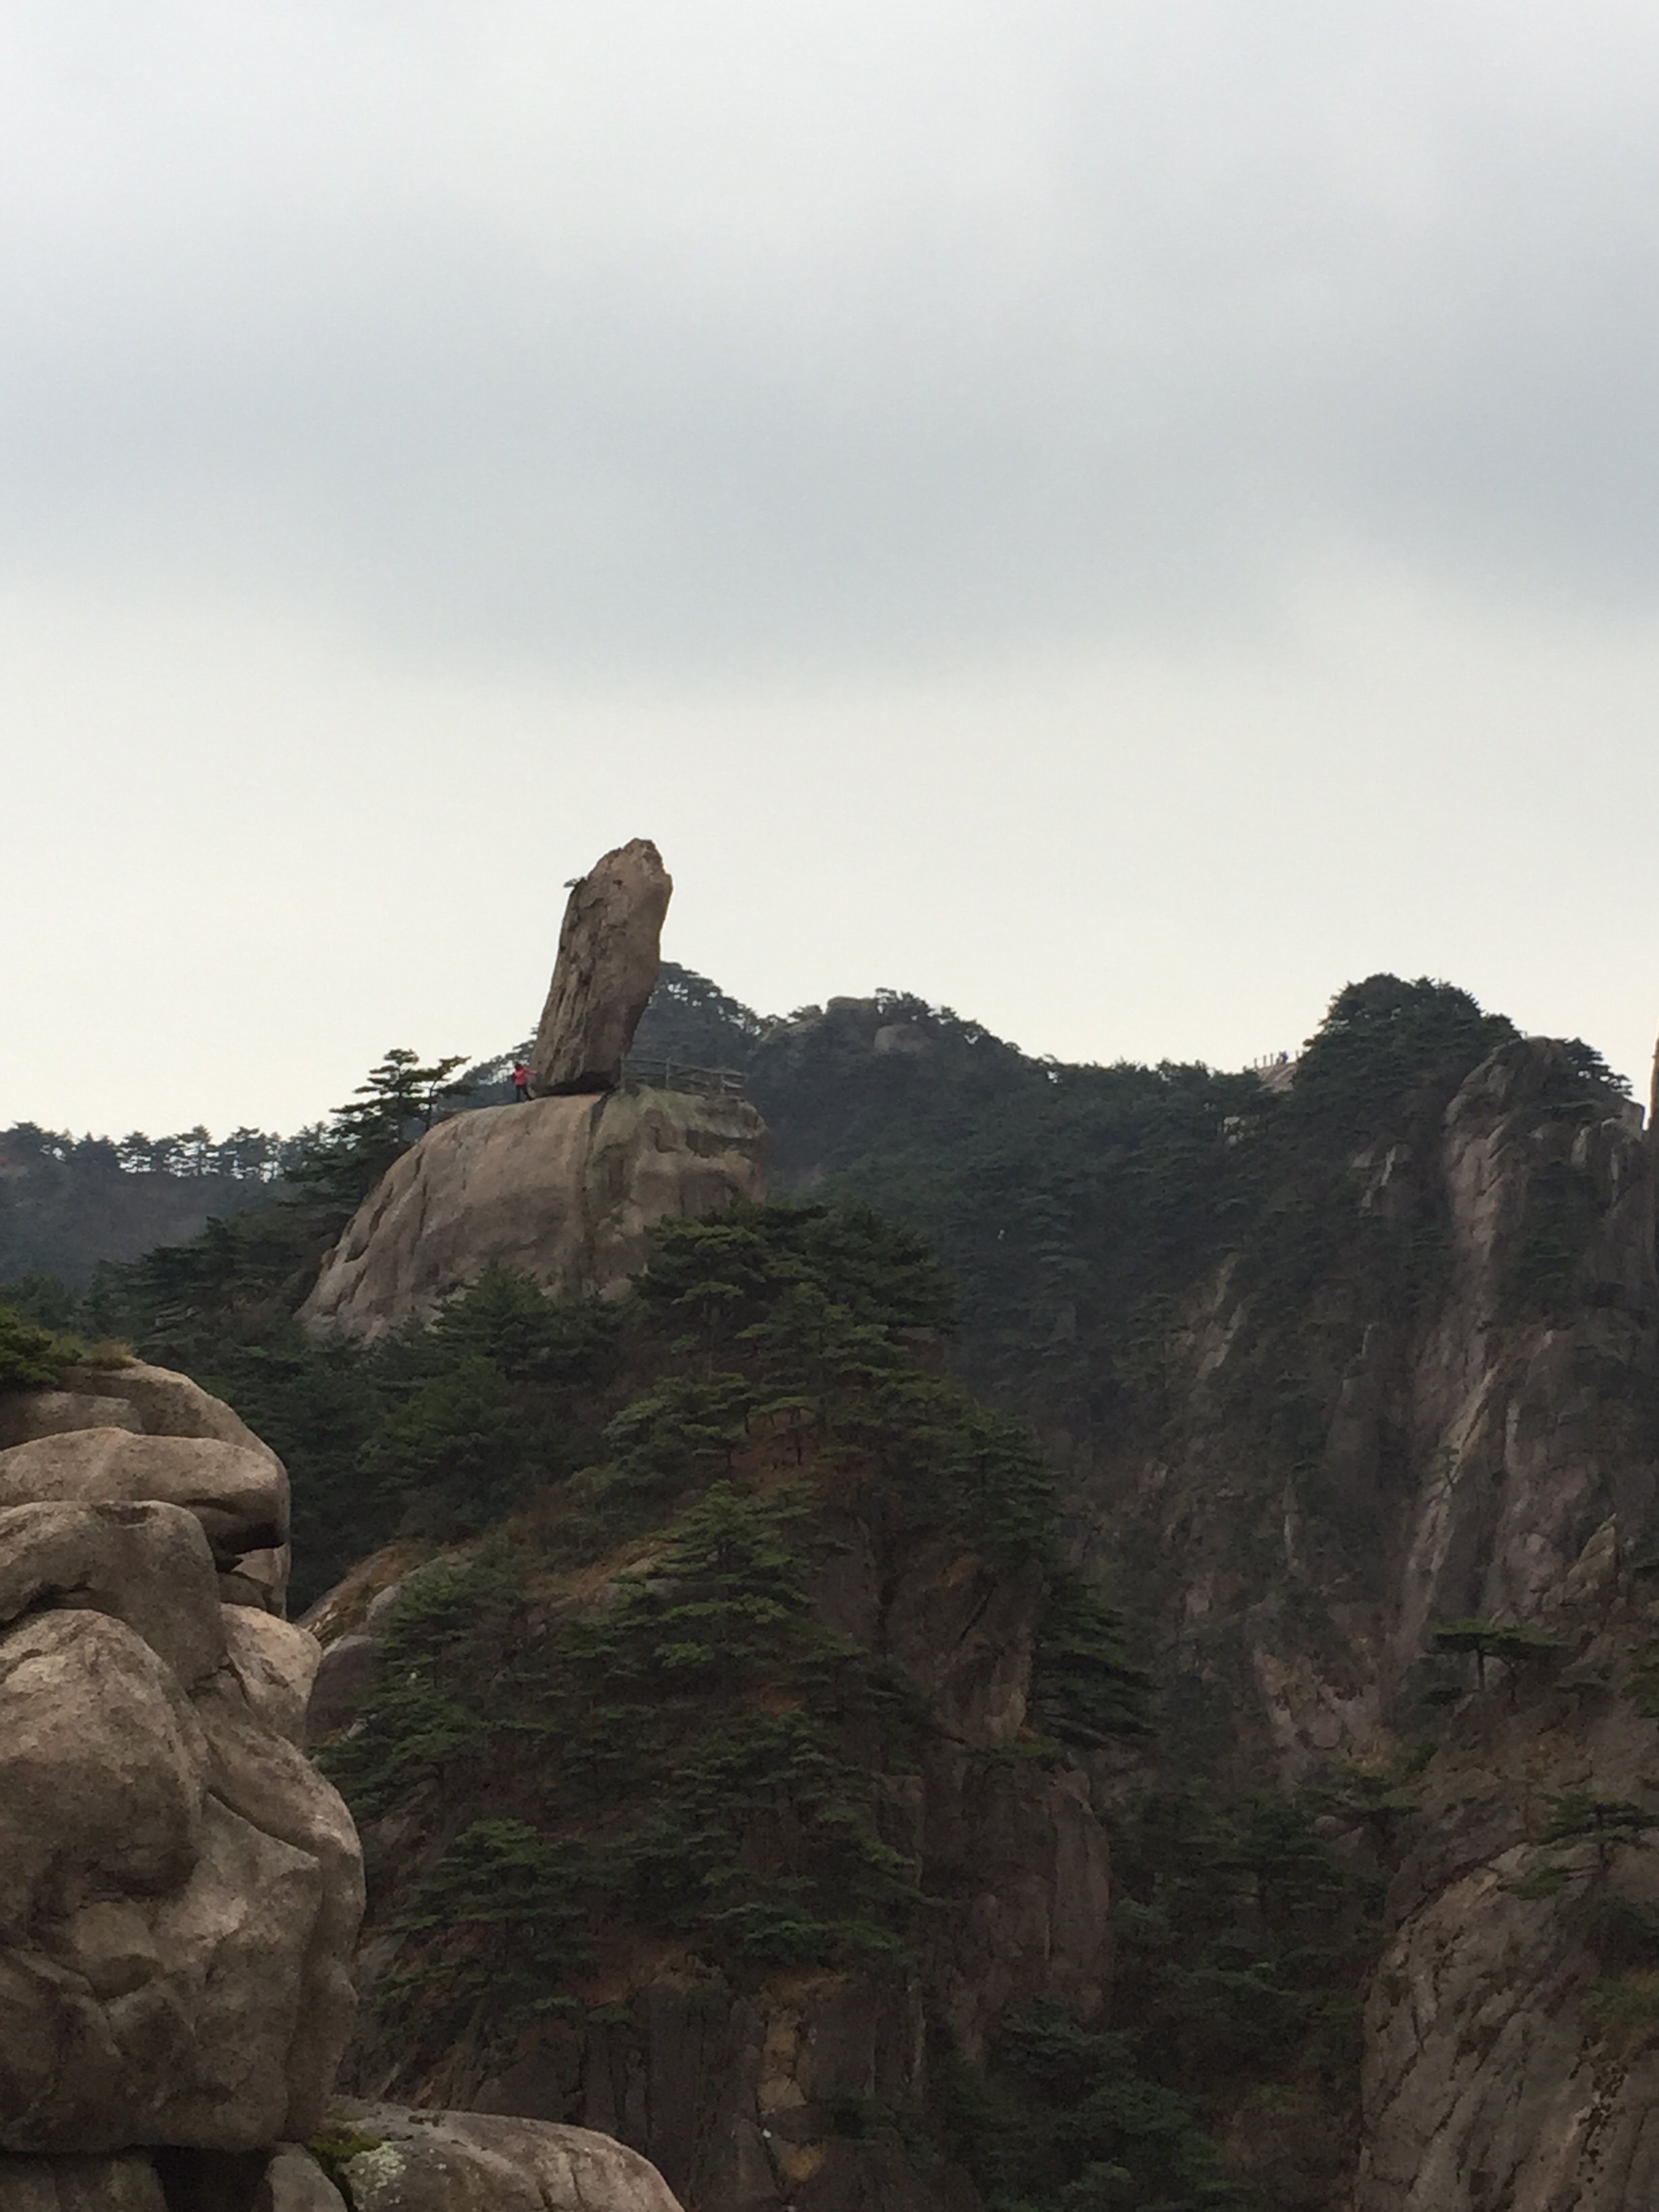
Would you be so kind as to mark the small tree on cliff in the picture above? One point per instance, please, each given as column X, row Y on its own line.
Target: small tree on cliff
column 1489, row 1639
column 365, row 1134
column 1607, row 1821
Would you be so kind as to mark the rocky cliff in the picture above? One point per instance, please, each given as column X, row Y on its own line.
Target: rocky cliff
column 561, row 1189
column 180, row 1888
column 1415, row 1426
column 745, row 1784
column 714, row 1802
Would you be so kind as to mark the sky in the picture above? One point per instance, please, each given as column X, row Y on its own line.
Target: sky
column 1119, row 516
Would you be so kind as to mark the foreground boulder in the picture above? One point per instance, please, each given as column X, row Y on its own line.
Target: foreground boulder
column 376, row 2158
column 180, row 1889
column 561, row 1189
column 605, row 972
column 130, row 1397
column 417, row 2161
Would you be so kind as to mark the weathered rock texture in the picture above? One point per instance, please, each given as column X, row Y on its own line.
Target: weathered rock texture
column 605, row 971
column 152, row 1401
column 1464, row 1458
column 1511, row 2052
column 1493, row 1453
column 736, row 2088
column 388, row 2159
column 180, row 1889
column 562, row 1189
column 433, row 2162
column 126, row 2184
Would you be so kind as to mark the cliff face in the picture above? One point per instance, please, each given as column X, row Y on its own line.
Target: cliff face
column 561, row 1189
column 1419, row 1387
column 1451, row 1414
column 717, row 1798
column 772, row 2086
column 180, row 1888
column 714, row 1802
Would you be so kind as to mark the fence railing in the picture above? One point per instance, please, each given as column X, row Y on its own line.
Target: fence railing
column 645, row 1073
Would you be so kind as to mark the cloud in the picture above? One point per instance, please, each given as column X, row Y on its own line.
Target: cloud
column 827, row 336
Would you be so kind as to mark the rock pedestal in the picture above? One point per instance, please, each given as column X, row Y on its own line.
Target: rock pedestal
column 605, row 972
column 561, row 1189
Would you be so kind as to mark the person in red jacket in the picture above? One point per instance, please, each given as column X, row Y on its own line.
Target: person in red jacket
column 520, row 1081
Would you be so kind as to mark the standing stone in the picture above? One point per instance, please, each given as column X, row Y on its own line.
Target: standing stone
column 605, row 972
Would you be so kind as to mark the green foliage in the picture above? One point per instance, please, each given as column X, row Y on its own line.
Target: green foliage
column 691, row 1020
column 1625, row 1933
column 1065, row 2118
column 336, row 2143
column 1564, row 1210
column 68, row 1203
column 509, row 1907
column 1544, row 1881
column 1338, row 1230
column 1577, row 1815
column 1623, row 2010
column 1386, row 1044
column 1086, row 1688
column 241, row 1276
column 1489, row 1639
column 1242, row 1941
column 452, row 1630
column 698, row 1757
column 1642, row 1684
column 398, row 1100
column 698, row 1760
column 32, row 1357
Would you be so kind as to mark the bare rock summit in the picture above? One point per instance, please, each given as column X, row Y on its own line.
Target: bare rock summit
column 564, row 1185
column 605, row 972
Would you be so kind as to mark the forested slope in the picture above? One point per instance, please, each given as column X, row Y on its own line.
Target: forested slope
column 1331, row 1475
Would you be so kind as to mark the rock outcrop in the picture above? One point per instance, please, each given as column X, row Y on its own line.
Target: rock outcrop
column 605, row 972
column 1464, row 1458
column 1490, row 1457
column 180, row 1889
column 564, row 1185
column 154, row 1402
column 370, row 2158
column 1510, row 2058
column 436, row 2162
column 739, row 2086
column 561, row 1189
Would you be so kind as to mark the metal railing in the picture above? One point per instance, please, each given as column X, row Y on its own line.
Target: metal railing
column 646, row 1073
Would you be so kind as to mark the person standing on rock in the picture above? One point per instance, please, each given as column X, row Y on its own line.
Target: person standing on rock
column 520, row 1081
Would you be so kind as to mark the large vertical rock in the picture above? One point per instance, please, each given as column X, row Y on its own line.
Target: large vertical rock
column 605, row 972
column 180, row 1888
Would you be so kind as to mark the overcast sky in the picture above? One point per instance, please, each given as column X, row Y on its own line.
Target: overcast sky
column 1119, row 518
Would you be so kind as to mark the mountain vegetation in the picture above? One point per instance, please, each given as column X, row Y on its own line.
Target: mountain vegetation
column 1149, row 1345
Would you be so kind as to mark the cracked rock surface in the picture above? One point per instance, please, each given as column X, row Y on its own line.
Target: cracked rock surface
column 180, row 1888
